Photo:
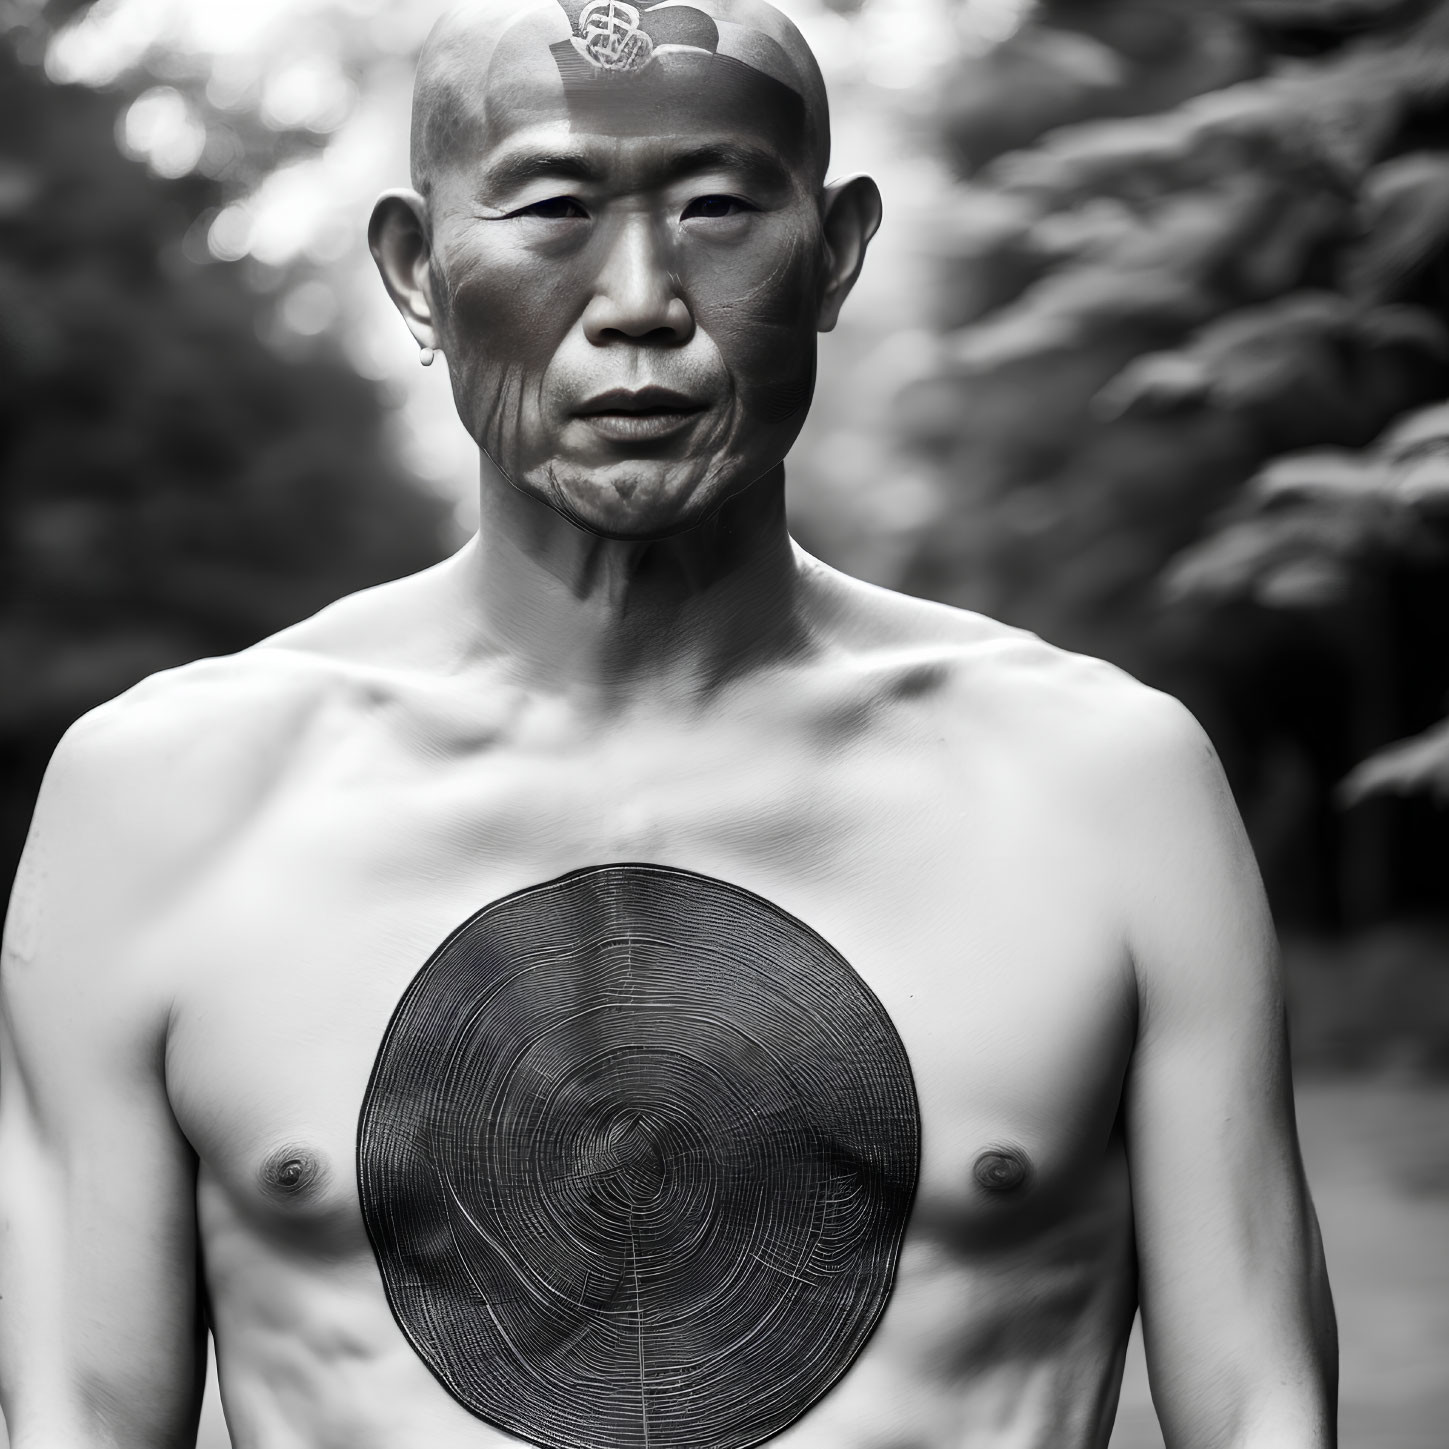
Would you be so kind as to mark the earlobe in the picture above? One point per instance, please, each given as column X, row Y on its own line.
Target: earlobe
column 397, row 236
column 850, row 215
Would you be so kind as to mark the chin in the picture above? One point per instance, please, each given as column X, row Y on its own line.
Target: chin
column 634, row 503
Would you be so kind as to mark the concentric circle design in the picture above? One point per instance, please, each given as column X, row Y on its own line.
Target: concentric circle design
column 636, row 1160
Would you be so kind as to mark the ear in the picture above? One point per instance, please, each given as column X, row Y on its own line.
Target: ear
column 398, row 238
column 850, row 213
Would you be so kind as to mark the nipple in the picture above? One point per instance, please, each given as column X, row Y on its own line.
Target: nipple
column 1002, row 1169
column 290, row 1171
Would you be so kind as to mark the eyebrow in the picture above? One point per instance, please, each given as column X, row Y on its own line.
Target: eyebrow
column 756, row 162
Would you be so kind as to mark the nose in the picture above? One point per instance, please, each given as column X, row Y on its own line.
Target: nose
column 636, row 297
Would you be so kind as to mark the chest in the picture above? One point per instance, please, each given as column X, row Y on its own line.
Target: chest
column 957, row 907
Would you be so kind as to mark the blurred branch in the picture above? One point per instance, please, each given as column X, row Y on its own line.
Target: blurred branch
column 1404, row 221
column 1306, row 521
column 1412, row 766
column 1311, row 367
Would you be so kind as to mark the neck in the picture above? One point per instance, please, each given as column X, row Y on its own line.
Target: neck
column 572, row 611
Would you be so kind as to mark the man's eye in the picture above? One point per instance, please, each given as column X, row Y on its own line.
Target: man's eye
column 556, row 208
column 716, row 206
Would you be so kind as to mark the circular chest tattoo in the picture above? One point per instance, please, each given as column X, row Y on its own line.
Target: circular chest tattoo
column 636, row 1159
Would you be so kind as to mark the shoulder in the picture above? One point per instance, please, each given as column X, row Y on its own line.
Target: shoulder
column 227, row 721
column 1073, row 714
column 217, row 733
column 168, row 773
column 1125, row 780
column 1125, row 774
column 1066, row 743
column 147, row 794
column 144, row 791
column 1090, row 717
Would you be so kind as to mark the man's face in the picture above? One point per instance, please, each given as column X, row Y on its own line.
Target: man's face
column 627, row 283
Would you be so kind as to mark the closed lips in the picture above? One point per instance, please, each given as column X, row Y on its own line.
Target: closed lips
column 645, row 400
column 652, row 412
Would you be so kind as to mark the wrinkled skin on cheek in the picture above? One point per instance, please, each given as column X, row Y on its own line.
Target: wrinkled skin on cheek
column 765, row 321
column 501, row 325
column 524, row 354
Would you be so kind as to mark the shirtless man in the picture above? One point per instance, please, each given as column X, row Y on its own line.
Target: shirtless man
column 630, row 984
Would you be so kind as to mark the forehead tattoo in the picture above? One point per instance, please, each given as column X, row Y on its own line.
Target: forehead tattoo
column 631, row 68
column 624, row 70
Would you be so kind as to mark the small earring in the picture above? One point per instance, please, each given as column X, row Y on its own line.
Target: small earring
column 426, row 355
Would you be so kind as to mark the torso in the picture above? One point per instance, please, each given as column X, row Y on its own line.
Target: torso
column 900, row 799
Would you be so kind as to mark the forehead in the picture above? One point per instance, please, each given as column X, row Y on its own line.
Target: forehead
column 606, row 69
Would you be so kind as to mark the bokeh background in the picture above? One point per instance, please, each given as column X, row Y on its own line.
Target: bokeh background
column 1151, row 356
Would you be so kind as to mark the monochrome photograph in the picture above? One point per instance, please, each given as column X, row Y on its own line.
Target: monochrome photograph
column 724, row 723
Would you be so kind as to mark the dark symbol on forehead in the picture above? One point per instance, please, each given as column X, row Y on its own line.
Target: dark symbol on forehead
column 636, row 1160
column 672, row 55
column 609, row 36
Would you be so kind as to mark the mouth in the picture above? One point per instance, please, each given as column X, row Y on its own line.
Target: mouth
column 643, row 415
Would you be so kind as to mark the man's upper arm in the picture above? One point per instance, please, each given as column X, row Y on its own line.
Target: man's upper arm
column 100, row 1331
column 1236, row 1313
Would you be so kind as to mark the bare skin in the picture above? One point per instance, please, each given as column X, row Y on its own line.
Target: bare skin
column 237, row 869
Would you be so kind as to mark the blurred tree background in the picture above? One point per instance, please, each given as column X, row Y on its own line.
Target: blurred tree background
column 1184, row 408
column 171, row 485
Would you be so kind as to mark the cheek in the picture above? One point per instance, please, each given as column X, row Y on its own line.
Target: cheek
column 516, row 312
column 762, row 318
column 504, row 324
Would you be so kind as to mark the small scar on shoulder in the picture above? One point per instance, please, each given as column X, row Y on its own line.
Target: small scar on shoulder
column 291, row 1171
column 1002, row 1169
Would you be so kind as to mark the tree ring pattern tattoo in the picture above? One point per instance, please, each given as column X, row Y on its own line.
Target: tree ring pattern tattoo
column 636, row 1159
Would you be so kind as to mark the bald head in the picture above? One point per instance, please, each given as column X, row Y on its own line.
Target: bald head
column 620, row 69
column 623, row 247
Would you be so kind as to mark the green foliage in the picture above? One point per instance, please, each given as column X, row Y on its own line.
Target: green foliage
column 169, row 485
